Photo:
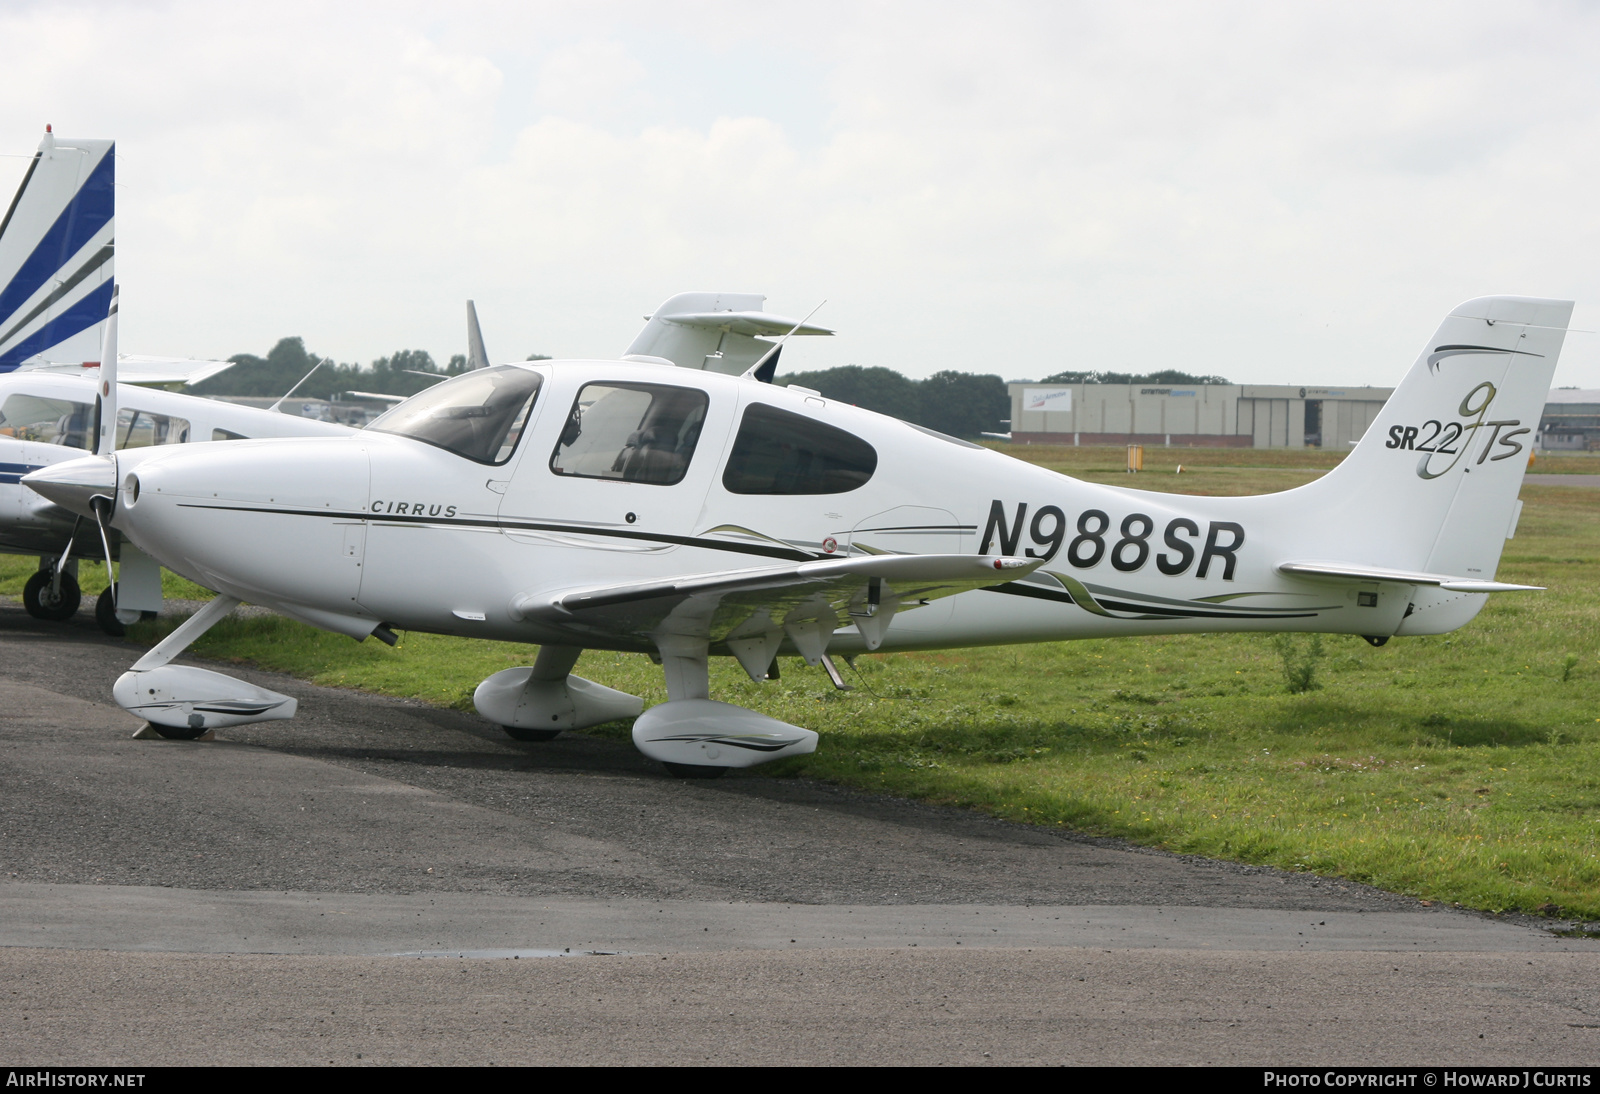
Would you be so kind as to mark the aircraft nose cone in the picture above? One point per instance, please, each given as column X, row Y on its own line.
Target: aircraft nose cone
column 72, row 483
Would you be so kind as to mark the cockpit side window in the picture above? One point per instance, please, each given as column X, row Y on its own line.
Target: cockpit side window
column 778, row 452
column 479, row 414
column 631, row 432
column 46, row 421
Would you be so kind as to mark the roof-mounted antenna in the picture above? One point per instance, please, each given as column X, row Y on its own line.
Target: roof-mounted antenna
column 296, row 387
column 767, row 364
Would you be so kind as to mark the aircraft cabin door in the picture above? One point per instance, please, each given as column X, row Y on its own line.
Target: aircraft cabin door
column 915, row 530
column 618, row 466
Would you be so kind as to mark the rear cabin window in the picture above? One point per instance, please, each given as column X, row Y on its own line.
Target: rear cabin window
column 227, row 435
column 631, row 432
column 142, row 429
column 777, row 452
column 46, row 421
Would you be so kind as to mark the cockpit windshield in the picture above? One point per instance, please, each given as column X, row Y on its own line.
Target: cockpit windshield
column 479, row 415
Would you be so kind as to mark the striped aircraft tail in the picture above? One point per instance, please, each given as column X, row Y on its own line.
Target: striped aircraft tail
column 56, row 247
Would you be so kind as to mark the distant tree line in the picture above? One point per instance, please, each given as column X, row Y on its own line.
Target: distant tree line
column 962, row 404
column 1167, row 377
column 289, row 360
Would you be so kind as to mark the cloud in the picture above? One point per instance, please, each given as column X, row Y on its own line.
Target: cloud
column 1266, row 191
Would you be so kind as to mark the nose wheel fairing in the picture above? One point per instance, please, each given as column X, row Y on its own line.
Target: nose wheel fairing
column 185, row 697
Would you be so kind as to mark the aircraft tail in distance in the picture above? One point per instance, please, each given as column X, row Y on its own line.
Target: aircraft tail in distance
column 56, row 254
column 718, row 332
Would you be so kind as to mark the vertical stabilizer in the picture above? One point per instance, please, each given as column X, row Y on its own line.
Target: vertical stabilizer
column 1432, row 486
column 477, row 356
column 56, row 243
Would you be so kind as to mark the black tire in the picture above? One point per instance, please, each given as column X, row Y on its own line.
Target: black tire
column 105, row 614
column 695, row 771
column 179, row 733
column 518, row 734
column 39, row 602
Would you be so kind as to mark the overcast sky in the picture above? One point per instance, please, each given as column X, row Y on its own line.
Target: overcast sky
column 1275, row 192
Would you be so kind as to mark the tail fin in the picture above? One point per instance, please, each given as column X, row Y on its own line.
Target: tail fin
column 1432, row 486
column 56, row 246
column 717, row 332
column 477, row 356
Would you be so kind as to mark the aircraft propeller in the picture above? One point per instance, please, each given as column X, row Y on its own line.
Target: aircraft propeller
column 105, row 444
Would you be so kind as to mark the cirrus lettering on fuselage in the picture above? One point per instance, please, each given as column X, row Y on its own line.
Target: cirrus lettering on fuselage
column 413, row 509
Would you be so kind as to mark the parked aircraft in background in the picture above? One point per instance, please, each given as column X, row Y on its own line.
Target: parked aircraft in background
column 56, row 266
column 688, row 514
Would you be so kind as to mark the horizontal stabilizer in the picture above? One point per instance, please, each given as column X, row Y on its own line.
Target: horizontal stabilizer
column 1344, row 571
column 745, row 322
column 717, row 332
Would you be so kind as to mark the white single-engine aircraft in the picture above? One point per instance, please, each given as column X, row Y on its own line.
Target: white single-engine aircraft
column 57, row 257
column 688, row 514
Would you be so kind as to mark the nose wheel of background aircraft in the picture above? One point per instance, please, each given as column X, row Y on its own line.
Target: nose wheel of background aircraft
column 43, row 602
column 519, row 734
column 105, row 613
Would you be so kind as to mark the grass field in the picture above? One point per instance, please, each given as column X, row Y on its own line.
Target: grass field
column 1463, row 768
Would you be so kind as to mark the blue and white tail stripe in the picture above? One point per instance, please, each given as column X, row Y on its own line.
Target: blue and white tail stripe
column 56, row 254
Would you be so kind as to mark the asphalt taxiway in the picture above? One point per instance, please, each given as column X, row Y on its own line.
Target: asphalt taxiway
column 381, row 881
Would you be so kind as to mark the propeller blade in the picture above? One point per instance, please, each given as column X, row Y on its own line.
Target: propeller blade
column 102, row 506
column 105, row 402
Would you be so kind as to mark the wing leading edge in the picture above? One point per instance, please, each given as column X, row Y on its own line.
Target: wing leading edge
column 752, row 610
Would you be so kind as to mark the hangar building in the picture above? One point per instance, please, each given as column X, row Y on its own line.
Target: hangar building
column 1571, row 419
column 1201, row 415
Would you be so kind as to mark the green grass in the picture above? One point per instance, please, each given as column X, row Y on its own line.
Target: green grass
column 1461, row 768
column 16, row 569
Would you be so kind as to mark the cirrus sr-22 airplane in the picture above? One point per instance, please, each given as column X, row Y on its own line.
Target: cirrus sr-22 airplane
column 688, row 513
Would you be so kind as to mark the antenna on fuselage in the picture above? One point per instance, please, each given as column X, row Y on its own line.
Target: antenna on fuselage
column 296, row 387
column 477, row 356
column 767, row 364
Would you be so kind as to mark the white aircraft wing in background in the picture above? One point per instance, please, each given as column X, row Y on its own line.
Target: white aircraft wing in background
column 138, row 368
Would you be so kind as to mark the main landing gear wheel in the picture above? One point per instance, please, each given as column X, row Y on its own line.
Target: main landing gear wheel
column 180, row 733
column 41, row 603
column 518, row 734
column 695, row 771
